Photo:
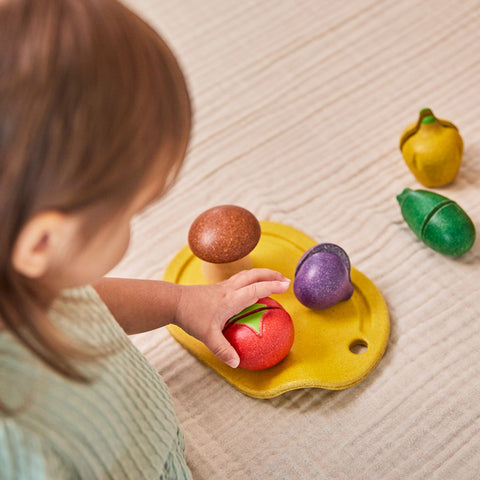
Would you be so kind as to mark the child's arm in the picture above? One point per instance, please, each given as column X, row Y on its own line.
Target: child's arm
column 200, row 310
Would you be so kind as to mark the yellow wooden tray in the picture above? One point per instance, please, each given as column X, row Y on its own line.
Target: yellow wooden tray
column 333, row 349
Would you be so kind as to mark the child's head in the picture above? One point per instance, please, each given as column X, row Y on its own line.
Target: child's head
column 94, row 122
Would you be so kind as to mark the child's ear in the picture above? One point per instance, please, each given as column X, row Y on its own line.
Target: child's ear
column 38, row 242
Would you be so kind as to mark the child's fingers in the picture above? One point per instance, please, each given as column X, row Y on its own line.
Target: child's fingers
column 222, row 349
column 253, row 276
column 245, row 289
column 250, row 285
column 251, row 293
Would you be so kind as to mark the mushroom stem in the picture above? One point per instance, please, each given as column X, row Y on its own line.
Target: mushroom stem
column 217, row 272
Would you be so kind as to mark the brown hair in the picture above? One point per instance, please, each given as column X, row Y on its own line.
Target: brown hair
column 90, row 97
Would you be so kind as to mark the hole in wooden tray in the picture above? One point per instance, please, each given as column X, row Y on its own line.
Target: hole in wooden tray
column 358, row 346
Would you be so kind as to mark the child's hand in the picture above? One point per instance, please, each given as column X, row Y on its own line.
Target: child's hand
column 203, row 310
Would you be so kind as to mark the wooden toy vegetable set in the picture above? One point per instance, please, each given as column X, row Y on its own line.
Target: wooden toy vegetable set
column 331, row 328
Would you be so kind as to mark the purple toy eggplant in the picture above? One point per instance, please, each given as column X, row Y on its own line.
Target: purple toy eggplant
column 322, row 277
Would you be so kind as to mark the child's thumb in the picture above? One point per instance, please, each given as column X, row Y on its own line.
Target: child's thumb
column 224, row 351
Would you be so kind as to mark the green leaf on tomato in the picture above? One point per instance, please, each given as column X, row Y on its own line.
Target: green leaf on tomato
column 253, row 319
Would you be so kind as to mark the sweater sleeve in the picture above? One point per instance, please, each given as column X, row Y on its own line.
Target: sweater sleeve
column 24, row 457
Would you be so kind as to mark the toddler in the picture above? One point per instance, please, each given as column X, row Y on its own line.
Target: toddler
column 94, row 125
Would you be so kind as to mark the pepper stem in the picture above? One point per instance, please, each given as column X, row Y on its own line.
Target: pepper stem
column 426, row 116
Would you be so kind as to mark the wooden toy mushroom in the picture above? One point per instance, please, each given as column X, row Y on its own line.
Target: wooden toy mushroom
column 223, row 237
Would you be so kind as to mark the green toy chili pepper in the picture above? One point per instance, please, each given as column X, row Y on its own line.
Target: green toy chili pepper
column 438, row 221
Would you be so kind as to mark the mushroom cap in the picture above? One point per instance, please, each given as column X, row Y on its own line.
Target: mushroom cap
column 224, row 234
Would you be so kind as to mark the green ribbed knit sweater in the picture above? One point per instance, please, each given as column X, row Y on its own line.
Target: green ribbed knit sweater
column 122, row 426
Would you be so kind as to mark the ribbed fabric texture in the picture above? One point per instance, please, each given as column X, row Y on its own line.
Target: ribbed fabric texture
column 122, row 426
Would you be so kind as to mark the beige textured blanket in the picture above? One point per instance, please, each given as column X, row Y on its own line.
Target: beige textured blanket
column 299, row 106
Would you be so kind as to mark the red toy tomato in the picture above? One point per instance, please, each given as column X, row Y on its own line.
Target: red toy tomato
column 262, row 334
